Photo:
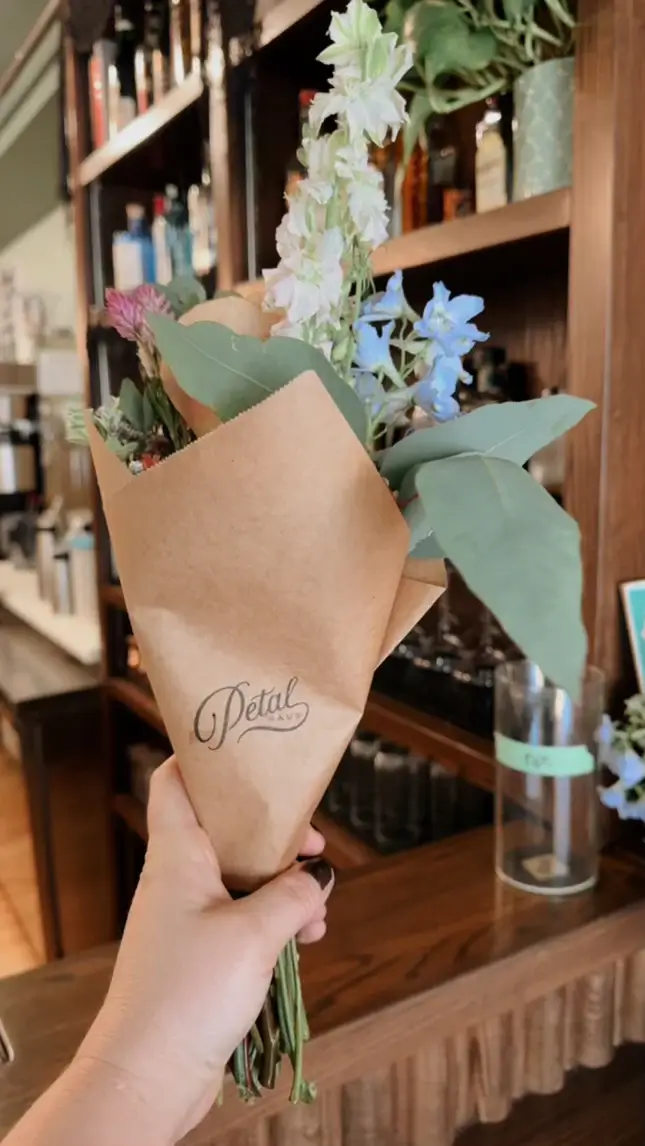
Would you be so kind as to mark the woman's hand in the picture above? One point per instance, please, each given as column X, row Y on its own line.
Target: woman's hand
column 190, row 979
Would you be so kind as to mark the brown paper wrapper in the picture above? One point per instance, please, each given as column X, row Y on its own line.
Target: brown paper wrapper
column 265, row 572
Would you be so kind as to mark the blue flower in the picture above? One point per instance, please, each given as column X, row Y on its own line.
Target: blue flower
column 434, row 392
column 446, row 321
column 618, row 799
column 372, row 348
column 390, row 303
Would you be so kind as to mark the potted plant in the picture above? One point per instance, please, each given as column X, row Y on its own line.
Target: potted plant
column 469, row 50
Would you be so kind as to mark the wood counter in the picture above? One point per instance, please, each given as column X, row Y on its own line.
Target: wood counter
column 438, row 998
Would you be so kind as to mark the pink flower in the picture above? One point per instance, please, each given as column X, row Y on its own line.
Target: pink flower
column 127, row 311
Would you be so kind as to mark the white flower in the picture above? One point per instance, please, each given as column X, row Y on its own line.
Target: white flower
column 367, row 203
column 368, row 65
column 309, row 280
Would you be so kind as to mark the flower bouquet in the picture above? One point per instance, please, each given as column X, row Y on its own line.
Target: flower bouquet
column 274, row 543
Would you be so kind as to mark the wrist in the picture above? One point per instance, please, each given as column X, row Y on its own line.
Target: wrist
column 119, row 1105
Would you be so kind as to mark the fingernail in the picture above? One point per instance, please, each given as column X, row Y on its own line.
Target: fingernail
column 320, row 870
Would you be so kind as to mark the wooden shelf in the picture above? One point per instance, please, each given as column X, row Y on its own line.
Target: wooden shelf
column 471, row 756
column 132, row 812
column 142, row 129
column 528, row 219
column 278, row 16
column 113, row 595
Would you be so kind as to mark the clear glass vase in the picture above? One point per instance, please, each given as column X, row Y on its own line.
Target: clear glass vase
column 546, row 810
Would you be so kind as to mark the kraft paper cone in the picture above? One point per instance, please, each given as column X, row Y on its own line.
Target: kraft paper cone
column 264, row 569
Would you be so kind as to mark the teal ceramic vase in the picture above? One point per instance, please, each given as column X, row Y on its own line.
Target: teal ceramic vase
column 543, row 129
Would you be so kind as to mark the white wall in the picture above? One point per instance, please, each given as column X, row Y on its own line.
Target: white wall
column 42, row 260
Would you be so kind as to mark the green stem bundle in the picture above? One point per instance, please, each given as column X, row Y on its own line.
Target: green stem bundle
column 281, row 1029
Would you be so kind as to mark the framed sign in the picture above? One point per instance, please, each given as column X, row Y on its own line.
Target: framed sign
column 633, row 595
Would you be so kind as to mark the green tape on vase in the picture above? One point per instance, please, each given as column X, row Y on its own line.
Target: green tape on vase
column 543, row 760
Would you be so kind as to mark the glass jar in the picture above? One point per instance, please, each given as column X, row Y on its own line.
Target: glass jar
column 399, row 797
column 546, row 817
column 362, row 750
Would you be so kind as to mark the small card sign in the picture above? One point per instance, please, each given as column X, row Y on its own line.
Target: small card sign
column 633, row 595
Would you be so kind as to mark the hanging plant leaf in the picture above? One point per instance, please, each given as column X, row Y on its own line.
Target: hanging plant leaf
column 418, row 112
column 148, row 416
column 517, row 550
column 511, row 430
column 230, row 373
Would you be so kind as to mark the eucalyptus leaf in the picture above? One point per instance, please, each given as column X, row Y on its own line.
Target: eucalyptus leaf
column 123, row 450
column 131, row 403
column 518, row 551
column 445, row 40
column 511, row 430
column 231, row 372
column 148, row 414
column 183, row 293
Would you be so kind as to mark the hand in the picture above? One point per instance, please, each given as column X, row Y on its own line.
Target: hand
column 194, row 966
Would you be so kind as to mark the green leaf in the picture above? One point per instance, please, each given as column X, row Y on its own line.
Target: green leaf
column 131, row 403
column 511, row 430
column 445, row 41
column 183, row 293
column 231, row 372
column 518, row 551
column 395, row 11
column 148, row 414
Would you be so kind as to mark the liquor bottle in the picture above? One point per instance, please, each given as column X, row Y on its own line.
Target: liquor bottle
column 295, row 169
column 102, row 59
column 492, row 160
column 150, row 64
column 132, row 253
column 178, row 232
column 384, row 159
column 160, row 244
column 122, row 96
column 185, row 39
column 201, row 218
column 442, row 166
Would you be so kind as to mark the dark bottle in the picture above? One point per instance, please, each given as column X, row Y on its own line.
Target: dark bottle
column 295, row 168
column 442, row 166
column 150, row 61
column 123, row 101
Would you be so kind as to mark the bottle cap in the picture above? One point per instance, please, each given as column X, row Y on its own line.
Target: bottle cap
column 306, row 98
column 135, row 211
column 159, row 205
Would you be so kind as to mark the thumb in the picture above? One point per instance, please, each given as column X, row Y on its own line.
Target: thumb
column 283, row 907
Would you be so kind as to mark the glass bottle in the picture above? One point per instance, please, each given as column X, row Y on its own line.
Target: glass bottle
column 201, row 217
column 491, row 159
column 546, row 806
column 295, row 168
column 185, row 39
